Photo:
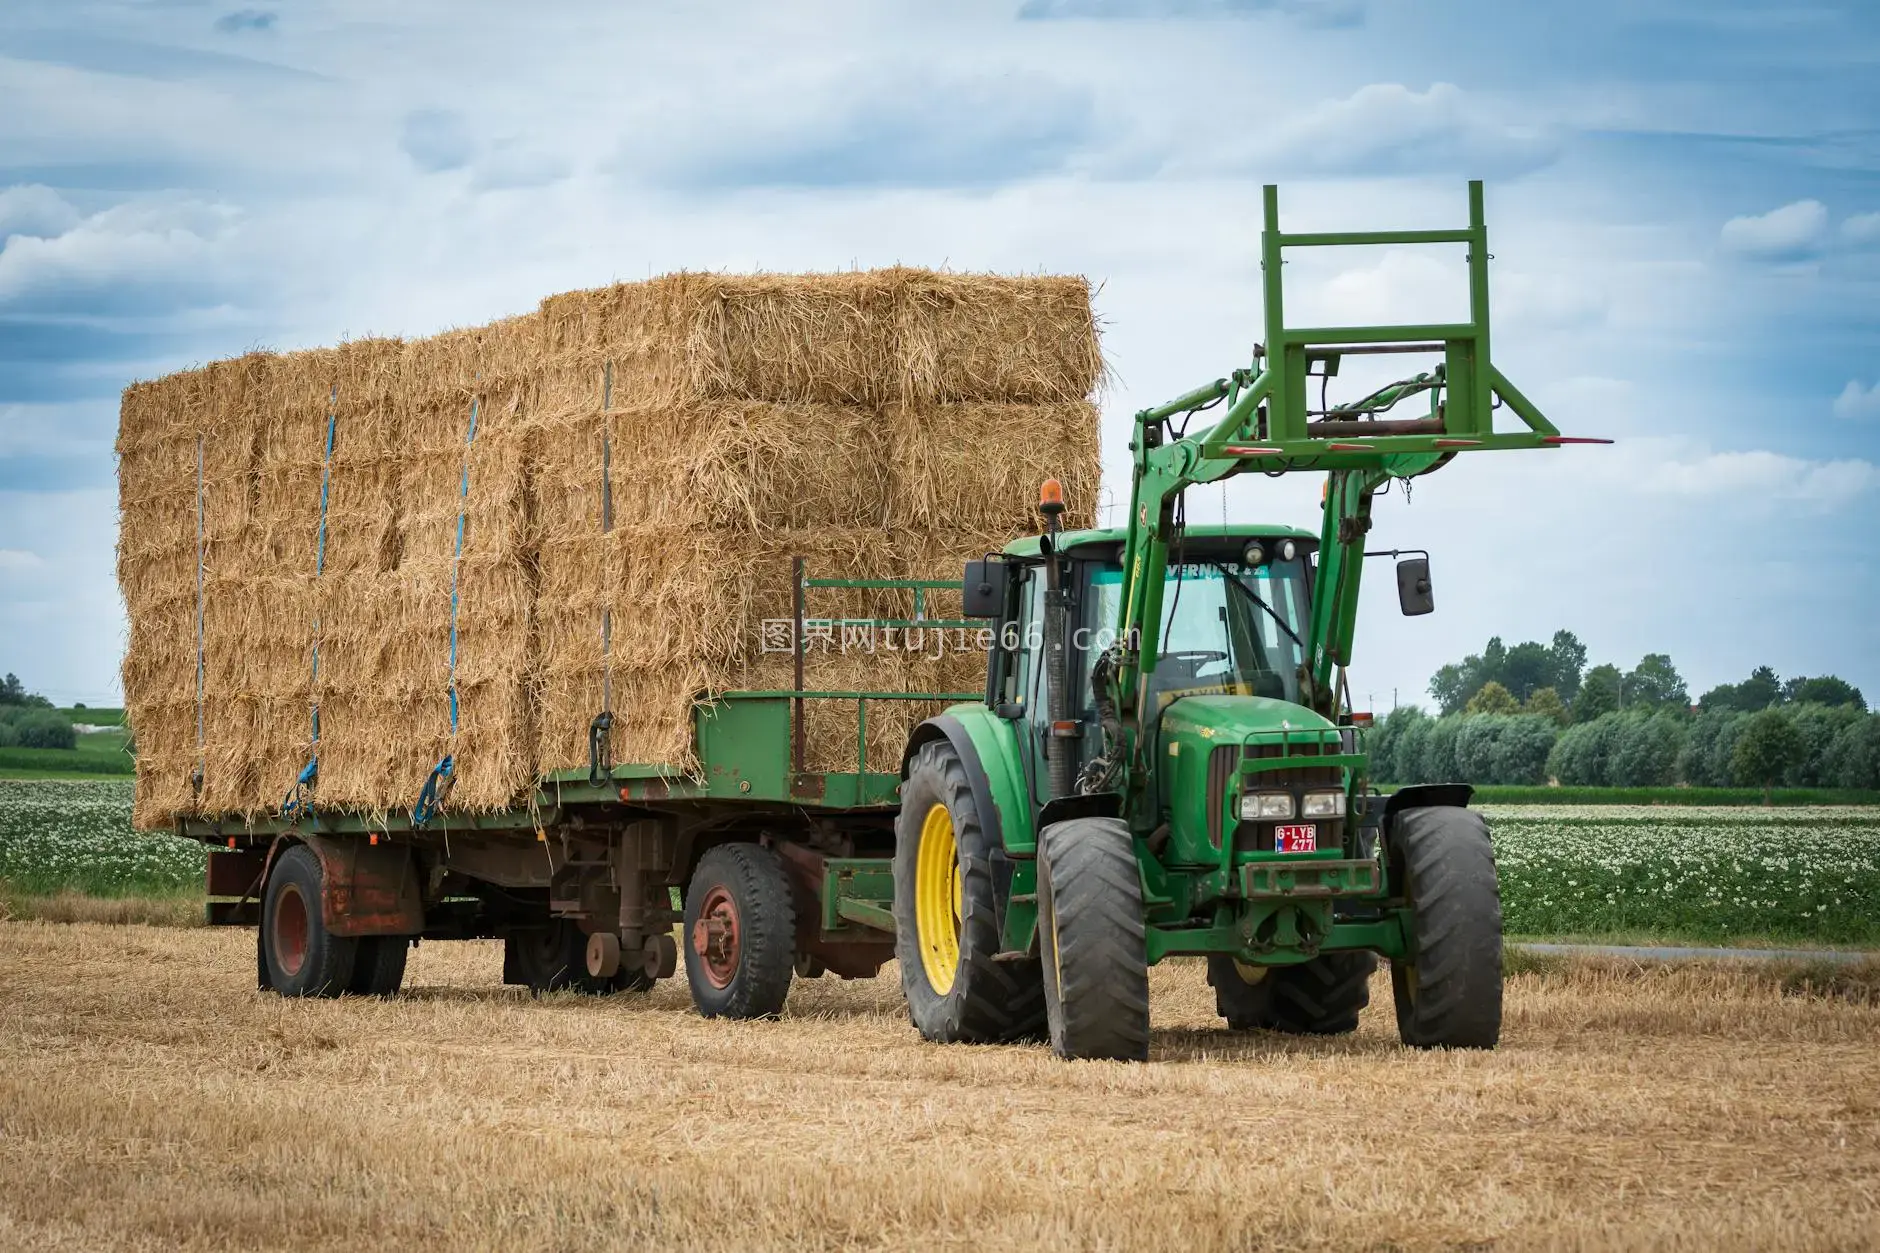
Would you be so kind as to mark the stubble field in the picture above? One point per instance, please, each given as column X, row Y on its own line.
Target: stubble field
column 151, row 1098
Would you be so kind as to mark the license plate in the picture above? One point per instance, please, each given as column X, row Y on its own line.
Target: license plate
column 1303, row 838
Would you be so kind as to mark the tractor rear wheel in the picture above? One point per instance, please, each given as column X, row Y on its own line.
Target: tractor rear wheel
column 1090, row 932
column 302, row 957
column 740, row 933
column 1448, row 992
column 1319, row 997
column 946, row 914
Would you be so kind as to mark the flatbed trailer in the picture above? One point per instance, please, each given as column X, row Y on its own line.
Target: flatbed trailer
column 583, row 879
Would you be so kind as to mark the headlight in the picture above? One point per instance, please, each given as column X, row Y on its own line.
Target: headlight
column 1256, row 805
column 1324, row 805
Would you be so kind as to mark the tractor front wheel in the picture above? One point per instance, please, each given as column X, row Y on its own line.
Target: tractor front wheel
column 1091, row 936
column 946, row 914
column 1448, row 991
column 1319, row 997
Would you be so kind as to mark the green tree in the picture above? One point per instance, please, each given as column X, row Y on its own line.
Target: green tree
column 1569, row 664
column 1383, row 745
column 1655, row 684
column 1450, row 685
column 1645, row 750
column 1825, row 690
column 1704, row 761
column 1768, row 749
column 1854, row 757
column 1820, row 726
column 1438, row 763
column 1761, row 690
column 1546, row 703
column 1722, row 698
column 1599, row 694
column 1582, row 755
column 1528, row 666
column 1493, row 698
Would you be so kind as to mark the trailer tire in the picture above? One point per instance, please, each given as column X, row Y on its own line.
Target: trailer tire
column 379, row 967
column 956, row 992
column 740, row 929
column 1448, row 992
column 554, row 959
column 303, row 958
column 1092, row 936
column 1319, row 997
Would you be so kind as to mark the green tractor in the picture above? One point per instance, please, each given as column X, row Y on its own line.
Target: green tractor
column 1166, row 762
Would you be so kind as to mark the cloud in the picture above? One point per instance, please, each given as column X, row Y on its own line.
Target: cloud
column 35, row 210
column 1856, row 401
column 1791, row 232
column 141, row 254
column 1861, row 228
column 1309, row 12
column 513, row 165
column 914, row 129
column 19, row 560
column 133, row 58
column 437, row 139
column 247, row 19
column 1388, row 129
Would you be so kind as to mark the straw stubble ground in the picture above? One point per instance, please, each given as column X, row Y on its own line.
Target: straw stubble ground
column 152, row 1098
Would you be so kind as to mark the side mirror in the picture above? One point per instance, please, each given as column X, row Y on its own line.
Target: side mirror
column 1413, row 587
column 983, row 590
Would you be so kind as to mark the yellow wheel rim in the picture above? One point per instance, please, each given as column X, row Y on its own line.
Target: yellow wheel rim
column 937, row 892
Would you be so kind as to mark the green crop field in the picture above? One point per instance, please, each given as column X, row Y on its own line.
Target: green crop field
column 97, row 753
column 1678, row 874
column 72, row 835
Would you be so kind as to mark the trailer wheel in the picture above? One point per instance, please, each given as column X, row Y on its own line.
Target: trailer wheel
column 1448, row 992
column 1319, row 997
column 946, row 917
column 740, row 930
column 379, row 967
column 303, row 958
column 553, row 957
column 1090, row 931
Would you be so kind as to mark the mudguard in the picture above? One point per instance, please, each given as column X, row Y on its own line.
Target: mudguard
column 988, row 745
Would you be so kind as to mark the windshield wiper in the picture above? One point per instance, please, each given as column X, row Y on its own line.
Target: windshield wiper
column 1254, row 596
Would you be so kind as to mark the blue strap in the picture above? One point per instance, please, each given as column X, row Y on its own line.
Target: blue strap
column 437, row 784
column 298, row 800
column 431, row 795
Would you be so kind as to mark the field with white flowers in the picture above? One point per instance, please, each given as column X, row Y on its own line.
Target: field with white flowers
column 1725, row 874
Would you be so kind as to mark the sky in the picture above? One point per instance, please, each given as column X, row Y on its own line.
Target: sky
column 1683, row 206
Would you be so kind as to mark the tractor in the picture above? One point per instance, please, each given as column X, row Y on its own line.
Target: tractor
column 1166, row 761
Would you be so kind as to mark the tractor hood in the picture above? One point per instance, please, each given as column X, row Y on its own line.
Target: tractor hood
column 1223, row 719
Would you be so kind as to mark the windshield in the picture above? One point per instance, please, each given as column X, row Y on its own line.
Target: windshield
column 1228, row 628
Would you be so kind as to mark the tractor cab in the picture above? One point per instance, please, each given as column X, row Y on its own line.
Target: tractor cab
column 1237, row 613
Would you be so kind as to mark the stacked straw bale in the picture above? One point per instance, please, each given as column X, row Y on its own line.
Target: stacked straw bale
column 647, row 460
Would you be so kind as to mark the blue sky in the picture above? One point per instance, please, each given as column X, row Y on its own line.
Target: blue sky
column 1684, row 200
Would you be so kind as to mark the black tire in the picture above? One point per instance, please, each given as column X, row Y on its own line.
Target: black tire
column 379, row 967
column 303, row 958
column 987, row 1001
column 553, row 957
column 747, row 976
column 1320, row 997
column 1449, row 992
column 1091, row 937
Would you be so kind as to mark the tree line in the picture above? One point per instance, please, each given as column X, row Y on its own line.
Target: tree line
column 28, row 720
column 1534, row 712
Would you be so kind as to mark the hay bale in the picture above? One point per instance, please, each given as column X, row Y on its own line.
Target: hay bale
column 878, row 424
column 871, row 337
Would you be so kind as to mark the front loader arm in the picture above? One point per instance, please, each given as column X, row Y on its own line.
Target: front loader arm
column 1269, row 427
